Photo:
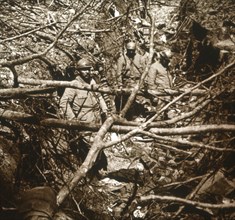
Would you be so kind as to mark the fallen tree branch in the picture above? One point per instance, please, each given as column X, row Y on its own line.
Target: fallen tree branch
column 187, row 143
column 35, row 56
column 18, row 93
column 220, row 72
column 50, row 37
column 187, row 202
column 27, row 33
column 96, row 147
column 81, row 30
column 186, row 181
column 108, row 90
column 174, row 184
column 194, row 129
column 173, row 149
column 76, row 124
column 194, row 192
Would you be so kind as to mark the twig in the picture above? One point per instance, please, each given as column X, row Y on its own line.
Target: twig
column 185, row 182
column 176, row 183
column 27, row 33
column 188, row 143
column 170, row 148
column 194, row 192
column 189, row 91
column 35, row 56
column 187, row 202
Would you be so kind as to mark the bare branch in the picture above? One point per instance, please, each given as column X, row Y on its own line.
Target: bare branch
column 187, row 202
column 60, row 123
column 188, row 92
column 35, row 56
column 193, row 129
column 187, row 143
column 88, row 163
column 194, row 192
column 97, row 88
column 18, row 93
column 27, row 33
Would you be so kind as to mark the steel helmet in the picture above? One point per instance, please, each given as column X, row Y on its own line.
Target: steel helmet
column 89, row 45
column 84, row 63
column 131, row 46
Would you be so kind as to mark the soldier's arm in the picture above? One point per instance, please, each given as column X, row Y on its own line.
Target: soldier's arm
column 151, row 78
column 119, row 72
column 101, row 100
column 66, row 102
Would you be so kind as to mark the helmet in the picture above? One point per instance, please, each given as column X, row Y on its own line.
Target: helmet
column 131, row 46
column 84, row 63
column 89, row 45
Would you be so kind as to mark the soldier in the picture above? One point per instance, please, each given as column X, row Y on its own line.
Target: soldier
column 85, row 106
column 158, row 79
column 130, row 66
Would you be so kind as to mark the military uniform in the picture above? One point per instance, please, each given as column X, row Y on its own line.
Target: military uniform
column 86, row 106
column 129, row 70
column 158, row 78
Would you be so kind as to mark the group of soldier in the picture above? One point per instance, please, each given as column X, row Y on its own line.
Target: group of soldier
column 93, row 107
column 88, row 106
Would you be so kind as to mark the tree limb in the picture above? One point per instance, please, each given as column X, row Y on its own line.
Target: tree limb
column 96, row 147
column 61, row 123
column 187, row 143
column 18, row 93
column 35, row 56
column 27, row 33
column 187, row 202
column 108, row 90
column 194, row 129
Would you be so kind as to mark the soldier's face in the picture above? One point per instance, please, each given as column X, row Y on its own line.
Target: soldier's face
column 130, row 53
column 85, row 74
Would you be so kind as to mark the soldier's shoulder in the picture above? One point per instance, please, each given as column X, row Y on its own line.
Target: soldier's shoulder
column 157, row 65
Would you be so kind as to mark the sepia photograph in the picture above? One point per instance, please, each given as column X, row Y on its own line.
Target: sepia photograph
column 117, row 110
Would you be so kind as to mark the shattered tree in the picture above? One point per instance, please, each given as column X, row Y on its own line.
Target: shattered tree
column 170, row 162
